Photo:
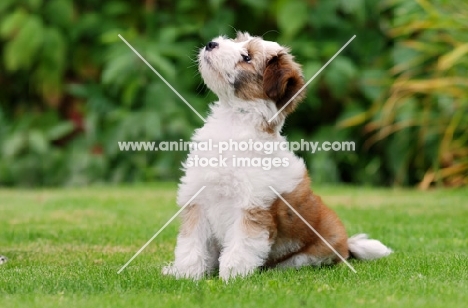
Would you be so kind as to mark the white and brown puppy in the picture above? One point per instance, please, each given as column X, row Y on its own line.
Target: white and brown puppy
column 237, row 223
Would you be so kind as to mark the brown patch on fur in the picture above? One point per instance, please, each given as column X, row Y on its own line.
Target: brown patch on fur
column 268, row 127
column 258, row 220
column 277, row 78
column 320, row 217
column 248, row 85
column 282, row 79
column 190, row 217
column 249, row 81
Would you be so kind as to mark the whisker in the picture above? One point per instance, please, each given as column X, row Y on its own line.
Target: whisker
column 269, row 32
column 202, row 87
column 235, row 30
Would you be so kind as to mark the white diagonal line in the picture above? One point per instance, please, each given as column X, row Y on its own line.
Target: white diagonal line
column 310, row 80
column 162, row 78
column 315, row 231
column 160, row 230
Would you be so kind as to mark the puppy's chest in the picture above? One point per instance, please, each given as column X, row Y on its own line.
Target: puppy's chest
column 221, row 217
column 245, row 164
column 244, row 180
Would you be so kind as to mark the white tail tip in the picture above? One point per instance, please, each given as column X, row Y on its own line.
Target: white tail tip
column 363, row 248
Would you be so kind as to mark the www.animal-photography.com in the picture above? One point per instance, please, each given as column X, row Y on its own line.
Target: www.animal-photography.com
column 233, row 153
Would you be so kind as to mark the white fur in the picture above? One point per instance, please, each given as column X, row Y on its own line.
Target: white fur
column 364, row 248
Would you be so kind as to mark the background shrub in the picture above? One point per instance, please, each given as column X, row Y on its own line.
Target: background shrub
column 70, row 89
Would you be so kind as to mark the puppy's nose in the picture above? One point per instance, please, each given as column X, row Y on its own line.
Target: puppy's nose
column 211, row 45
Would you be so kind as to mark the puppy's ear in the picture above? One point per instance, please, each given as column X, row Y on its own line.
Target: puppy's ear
column 282, row 80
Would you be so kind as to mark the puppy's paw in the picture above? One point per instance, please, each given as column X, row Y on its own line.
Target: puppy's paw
column 169, row 270
column 229, row 272
column 195, row 272
column 233, row 265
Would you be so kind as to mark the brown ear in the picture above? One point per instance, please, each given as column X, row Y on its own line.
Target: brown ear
column 282, row 79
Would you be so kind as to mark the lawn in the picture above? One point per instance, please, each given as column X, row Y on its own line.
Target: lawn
column 65, row 247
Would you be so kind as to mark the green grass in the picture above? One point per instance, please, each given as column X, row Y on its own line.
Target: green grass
column 65, row 247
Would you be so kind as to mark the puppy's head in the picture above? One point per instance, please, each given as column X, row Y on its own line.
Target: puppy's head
column 250, row 68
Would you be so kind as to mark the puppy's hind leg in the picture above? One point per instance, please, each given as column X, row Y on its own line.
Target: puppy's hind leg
column 196, row 252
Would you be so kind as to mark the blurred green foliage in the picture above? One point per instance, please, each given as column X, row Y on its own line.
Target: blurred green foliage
column 71, row 89
column 420, row 123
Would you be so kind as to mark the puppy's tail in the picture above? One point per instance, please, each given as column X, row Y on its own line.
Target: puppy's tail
column 363, row 248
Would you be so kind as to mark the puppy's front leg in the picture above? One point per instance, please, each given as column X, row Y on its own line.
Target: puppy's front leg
column 248, row 243
column 196, row 253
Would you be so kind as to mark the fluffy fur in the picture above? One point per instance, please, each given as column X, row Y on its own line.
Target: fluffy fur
column 237, row 223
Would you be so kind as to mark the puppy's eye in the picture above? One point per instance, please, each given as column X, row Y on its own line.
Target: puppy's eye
column 246, row 58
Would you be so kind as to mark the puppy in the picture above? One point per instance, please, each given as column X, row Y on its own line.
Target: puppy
column 237, row 223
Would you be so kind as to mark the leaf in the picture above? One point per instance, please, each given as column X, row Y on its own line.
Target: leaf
column 34, row 4
column 449, row 59
column 161, row 64
column 399, row 155
column 130, row 91
column 372, row 83
column 356, row 7
column 12, row 22
column 152, row 125
column 447, row 84
column 118, row 69
column 59, row 131
column 339, row 75
column 14, row 144
column 353, row 115
column 111, row 36
column 55, row 48
column 292, row 16
column 38, row 142
column 59, row 12
column 78, row 90
column 5, row 4
column 115, row 8
column 23, row 49
column 402, row 55
column 323, row 167
column 88, row 24
column 52, row 60
column 216, row 4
